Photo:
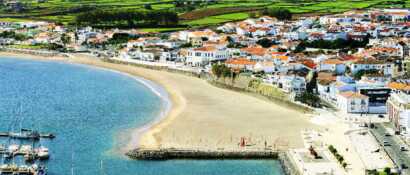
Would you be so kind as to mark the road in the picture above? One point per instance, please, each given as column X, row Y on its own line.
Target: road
column 394, row 149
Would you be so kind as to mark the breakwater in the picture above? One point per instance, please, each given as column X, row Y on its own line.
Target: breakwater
column 166, row 154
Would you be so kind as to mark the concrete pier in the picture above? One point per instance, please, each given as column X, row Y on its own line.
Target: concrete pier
column 165, row 154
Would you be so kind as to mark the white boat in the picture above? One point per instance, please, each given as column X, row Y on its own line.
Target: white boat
column 13, row 148
column 2, row 148
column 42, row 152
column 26, row 149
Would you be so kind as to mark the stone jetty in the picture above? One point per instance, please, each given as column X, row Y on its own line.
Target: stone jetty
column 165, row 154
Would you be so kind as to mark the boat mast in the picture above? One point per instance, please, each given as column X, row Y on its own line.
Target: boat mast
column 101, row 167
column 72, row 161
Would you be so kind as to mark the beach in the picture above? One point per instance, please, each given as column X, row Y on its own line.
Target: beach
column 203, row 116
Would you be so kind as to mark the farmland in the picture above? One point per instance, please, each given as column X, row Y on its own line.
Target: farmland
column 191, row 13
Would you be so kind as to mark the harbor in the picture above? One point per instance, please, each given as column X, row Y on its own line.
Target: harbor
column 22, row 152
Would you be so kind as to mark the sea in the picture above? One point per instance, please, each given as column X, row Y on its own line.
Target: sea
column 91, row 111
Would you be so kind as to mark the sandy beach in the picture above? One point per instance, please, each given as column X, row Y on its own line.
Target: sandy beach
column 206, row 117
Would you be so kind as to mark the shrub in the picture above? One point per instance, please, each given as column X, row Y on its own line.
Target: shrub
column 279, row 13
column 344, row 164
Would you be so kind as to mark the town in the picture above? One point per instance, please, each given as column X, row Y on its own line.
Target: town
column 350, row 68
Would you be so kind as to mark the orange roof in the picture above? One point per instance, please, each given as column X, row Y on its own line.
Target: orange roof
column 278, row 53
column 350, row 94
column 398, row 86
column 255, row 50
column 309, row 64
column 369, row 61
column 205, row 49
column 383, row 49
column 332, row 61
column 326, row 76
column 399, row 13
column 240, row 61
column 202, row 33
column 281, row 57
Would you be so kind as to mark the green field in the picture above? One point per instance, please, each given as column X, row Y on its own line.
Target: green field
column 192, row 15
column 218, row 19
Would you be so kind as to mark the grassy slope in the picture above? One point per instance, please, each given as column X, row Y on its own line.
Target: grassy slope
column 41, row 11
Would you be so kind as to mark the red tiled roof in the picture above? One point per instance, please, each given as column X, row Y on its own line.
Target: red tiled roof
column 240, row 61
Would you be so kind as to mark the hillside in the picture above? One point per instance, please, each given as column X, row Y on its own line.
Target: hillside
column 191, row 13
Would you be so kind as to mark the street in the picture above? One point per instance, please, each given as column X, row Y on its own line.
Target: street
column 392, row 144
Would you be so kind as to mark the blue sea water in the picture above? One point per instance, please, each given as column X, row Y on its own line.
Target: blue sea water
column 87, row 108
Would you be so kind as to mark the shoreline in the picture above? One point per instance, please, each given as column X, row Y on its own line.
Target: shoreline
column 198, row 120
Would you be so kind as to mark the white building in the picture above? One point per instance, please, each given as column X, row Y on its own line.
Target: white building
column 372, row 64
column 352, row 102
column 334, row 65
column 203, row 55
column 398, row 110
column 292, row 84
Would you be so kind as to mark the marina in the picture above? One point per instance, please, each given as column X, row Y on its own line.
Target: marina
column 30, row 153
column 22, row 170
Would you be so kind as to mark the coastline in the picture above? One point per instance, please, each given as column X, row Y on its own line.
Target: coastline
column 199, row 120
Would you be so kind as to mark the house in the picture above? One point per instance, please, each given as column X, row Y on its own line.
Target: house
column 398, row 111
column 149, row 54
column 334, row 65
column 203, row 55
column 265, row 66
column 240, row 64
column 255, row 53
column 352, row 102
column 292, row 84
column 367, row 64
column 171, row 55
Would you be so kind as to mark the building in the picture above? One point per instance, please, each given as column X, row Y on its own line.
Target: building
column 334, row 65
column 398, row 110
column 352, row 102
column 372, row 64
column 241, row 64
column 204, row 55
column 292, row 84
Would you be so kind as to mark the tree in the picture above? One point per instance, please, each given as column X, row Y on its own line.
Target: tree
column 148, row 6
column 310, row 99
column 358, row 75
column 279, row 13
column 65, row 39
column 221, row 70
column 265, row 42
column 14, row 35
column 387, row 170
column 344, row 165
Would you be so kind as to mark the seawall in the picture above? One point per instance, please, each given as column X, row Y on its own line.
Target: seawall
column 166, row 154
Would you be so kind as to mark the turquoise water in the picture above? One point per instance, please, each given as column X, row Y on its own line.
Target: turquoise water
column 87, row 109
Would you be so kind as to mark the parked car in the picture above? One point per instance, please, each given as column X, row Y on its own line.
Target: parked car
column 403, row 148
column 403, row 166
column 385, row 143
